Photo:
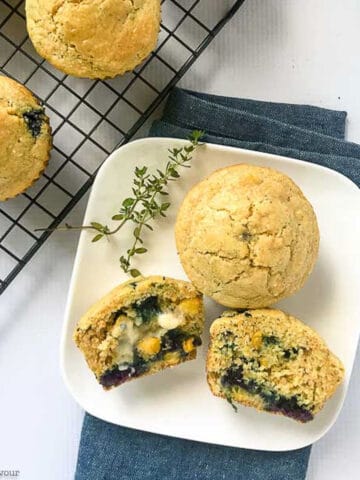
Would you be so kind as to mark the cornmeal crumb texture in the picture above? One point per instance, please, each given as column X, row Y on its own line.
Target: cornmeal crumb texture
column 271, row 361
column 25, row 138
column 247, row 236
column 141, row 327
column 93, row 38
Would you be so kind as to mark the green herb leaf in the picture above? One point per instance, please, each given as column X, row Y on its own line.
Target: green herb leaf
column 97, row 226
column 165, row 206
column 134, row 272
column 128, row 202
column 97, row 237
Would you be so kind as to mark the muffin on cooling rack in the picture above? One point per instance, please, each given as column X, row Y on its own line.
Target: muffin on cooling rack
column 271, row 361
column 141, row 327
column 96, row 38
column 25, row 138
column 247, row 236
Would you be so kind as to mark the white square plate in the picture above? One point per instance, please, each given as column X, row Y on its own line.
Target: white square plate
column 178, row 402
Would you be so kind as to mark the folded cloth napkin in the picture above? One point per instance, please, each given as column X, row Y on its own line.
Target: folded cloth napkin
column 109, row 452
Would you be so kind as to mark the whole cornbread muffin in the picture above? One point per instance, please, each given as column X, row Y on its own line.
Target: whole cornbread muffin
column 93, row 38
column 25, row 138
column 271, row 361
column 247, row 236
column 141, row 327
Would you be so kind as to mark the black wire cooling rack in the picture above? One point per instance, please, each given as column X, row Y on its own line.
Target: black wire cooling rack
column 90, row 118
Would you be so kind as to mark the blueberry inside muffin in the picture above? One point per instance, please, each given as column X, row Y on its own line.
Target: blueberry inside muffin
column 273, row 362
column 141, row 327
column 34, row 120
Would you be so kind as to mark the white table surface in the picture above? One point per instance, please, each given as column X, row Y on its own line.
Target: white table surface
column 279, row 50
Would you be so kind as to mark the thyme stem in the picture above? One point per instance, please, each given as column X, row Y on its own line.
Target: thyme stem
column 144, row 206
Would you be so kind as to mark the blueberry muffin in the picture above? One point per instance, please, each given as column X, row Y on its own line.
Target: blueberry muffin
column 25, row 138
column 96, row 38
column 271, row 361
column 141, row 327
column 247, row 236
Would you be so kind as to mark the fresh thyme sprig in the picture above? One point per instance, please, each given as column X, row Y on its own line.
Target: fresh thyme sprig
column 146, row 203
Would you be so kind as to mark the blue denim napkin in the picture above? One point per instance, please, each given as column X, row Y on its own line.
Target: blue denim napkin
column 300, row 131
column 110, row 452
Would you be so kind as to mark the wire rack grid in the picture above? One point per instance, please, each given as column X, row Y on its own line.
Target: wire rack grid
column 90, row 118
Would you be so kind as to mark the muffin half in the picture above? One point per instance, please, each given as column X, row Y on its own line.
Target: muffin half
column 141, row 327
column 271, row 361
